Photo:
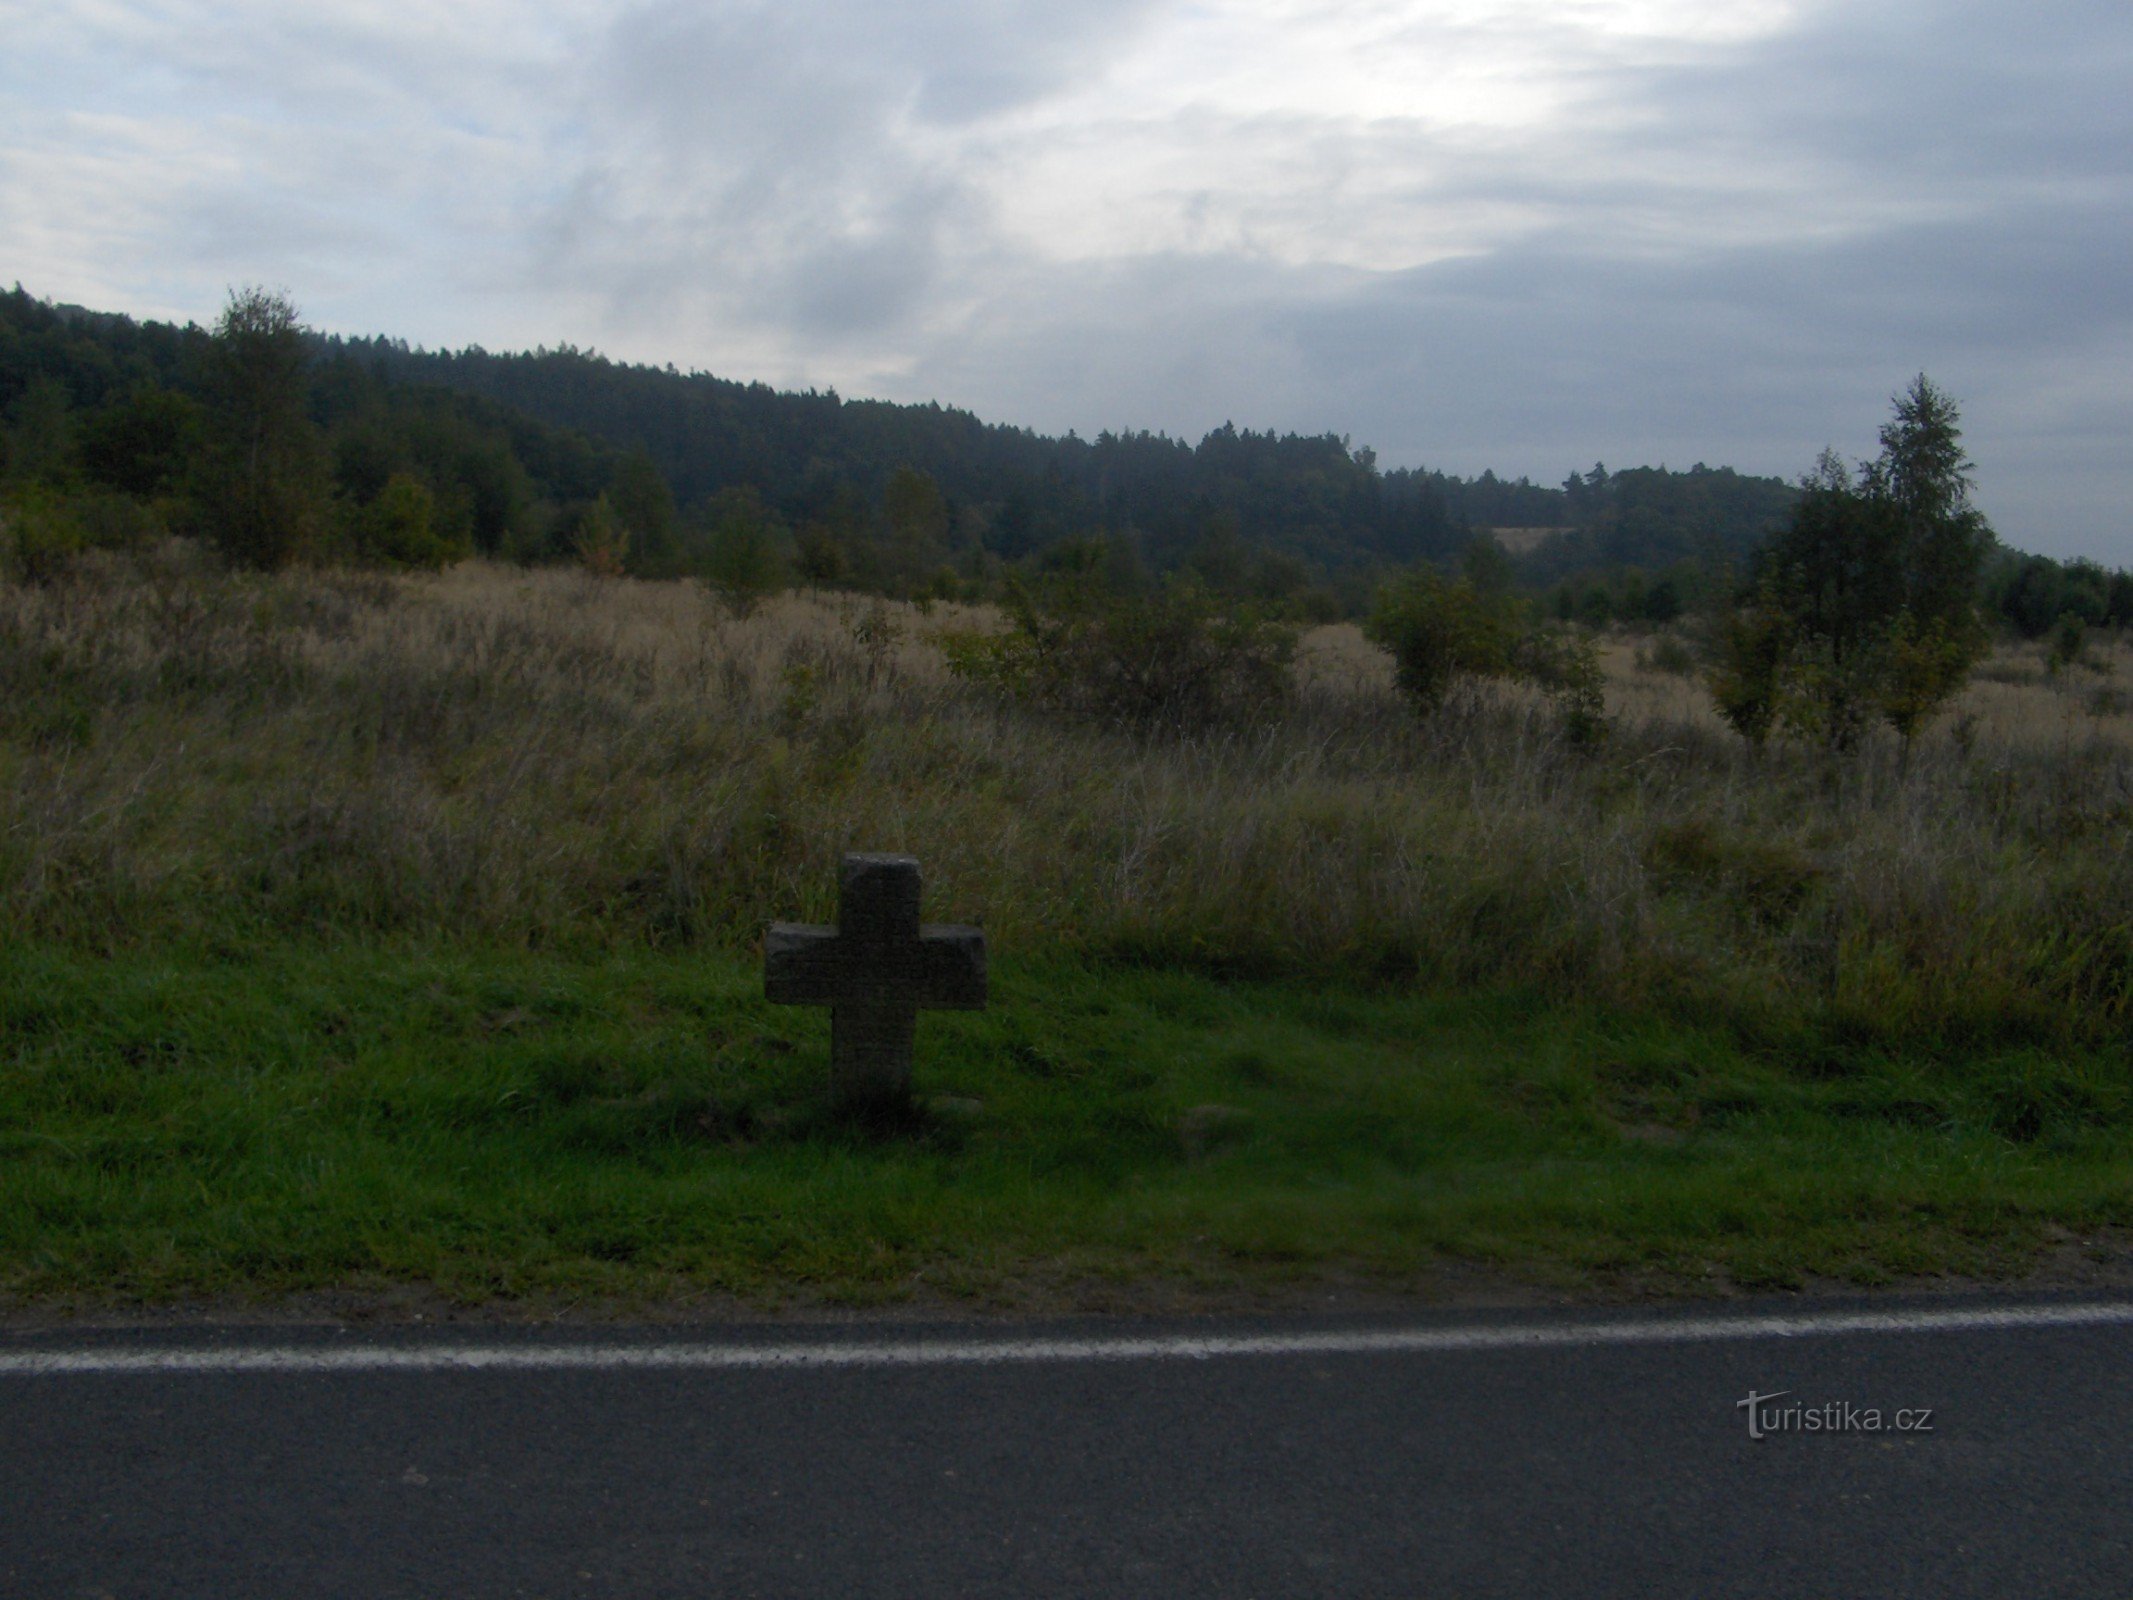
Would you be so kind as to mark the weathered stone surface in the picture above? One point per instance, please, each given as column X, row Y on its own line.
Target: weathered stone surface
column 875, row 970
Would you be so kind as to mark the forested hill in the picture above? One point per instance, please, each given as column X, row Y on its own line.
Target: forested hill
column 815, row 454
column 520, row 448
column 821, row 459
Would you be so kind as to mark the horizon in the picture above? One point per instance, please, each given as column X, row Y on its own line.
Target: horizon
column 1494, row 234
column 593, row 353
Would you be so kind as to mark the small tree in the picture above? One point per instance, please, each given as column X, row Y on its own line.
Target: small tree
column 41, row 537
column 265, row 483
column 1441, row 630
column 400, row 527
column 741, row 563
column 1865, row 604
column 1748, row 664
column 821, row 560
column 1171, row 658
column 919, row 521
column 2069, row 642
column 1565, row 666
column 601, row 542
column 643, row 504
column 1922, row 667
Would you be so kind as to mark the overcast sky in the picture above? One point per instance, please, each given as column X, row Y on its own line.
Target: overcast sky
column 1469, row 233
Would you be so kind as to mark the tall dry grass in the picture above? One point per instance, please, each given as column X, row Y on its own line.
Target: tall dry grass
column 547, row 758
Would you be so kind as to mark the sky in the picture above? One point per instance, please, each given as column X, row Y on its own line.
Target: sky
column 1470, row 234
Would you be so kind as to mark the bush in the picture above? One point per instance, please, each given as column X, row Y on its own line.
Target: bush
column 2070, row 638
column 1667, row 654
column 741, row 564
column 111, row 521
column 1921, row 667
column 1172, row 658
column 399, row 528
column 1441, row 630
column 40, row 537
column 602, row 543
column 1566, row 668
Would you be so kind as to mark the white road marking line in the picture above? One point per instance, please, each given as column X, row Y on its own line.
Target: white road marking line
column 999, row 1352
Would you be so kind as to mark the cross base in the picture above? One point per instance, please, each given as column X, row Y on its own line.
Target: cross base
column 870, row 1051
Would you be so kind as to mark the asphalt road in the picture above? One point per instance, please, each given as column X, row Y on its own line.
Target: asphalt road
column 1479, row 1458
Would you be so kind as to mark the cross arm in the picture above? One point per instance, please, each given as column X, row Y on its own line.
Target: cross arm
column 951, row 964
column 800, row 964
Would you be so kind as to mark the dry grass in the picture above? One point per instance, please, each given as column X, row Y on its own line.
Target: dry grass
column 549, row 759
column 2014, row 708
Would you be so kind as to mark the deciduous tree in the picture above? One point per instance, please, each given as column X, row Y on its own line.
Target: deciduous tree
column 1865, row 604
column 265, row 483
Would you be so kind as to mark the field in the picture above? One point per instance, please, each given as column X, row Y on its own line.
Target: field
column 364, row 932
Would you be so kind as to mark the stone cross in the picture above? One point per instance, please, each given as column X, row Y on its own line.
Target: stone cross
column 874, row 970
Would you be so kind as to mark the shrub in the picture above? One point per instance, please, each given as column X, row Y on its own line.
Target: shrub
column 399, row 528
column 40, row 537
column 1667, row 654
column 1441, row 630
column 2069, row 641
column 1171, row 658
column 1767, row 877
column 741, row 563
column 1565, row 666
column 113, row 521
column 1920, row 668
column 602, row 543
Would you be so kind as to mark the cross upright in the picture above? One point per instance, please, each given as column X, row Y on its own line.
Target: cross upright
column 874, row 970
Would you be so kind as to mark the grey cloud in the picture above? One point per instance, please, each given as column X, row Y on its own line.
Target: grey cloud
column 1544, row 357
column 1734, row 257
column 982, row 58
column 1736, row 262
column 269, row 223
column 858, row 284
column 765, row 155
column 1932, row 97
column 948, row 61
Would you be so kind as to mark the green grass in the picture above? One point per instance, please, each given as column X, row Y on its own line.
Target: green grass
column 359, row 932
column 497, row 1123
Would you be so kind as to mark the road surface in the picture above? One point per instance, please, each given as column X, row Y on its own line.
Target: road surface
column 1539, row 1455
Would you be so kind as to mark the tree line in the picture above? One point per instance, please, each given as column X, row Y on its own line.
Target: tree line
column 279, row 445
column 379, row 451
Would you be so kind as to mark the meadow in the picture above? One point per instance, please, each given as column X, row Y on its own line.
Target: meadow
column 366, row 931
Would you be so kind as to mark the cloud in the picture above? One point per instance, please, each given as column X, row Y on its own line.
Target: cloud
column 1546, row 355
column 800, row 166
column 1516, row 233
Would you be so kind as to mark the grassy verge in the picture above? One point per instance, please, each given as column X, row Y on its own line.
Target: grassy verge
column 358, row 931
column 179, row 1121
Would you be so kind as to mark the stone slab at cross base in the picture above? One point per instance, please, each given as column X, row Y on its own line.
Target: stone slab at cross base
column 875, row 970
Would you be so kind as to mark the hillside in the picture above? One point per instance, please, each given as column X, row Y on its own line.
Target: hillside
column 518, row 448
